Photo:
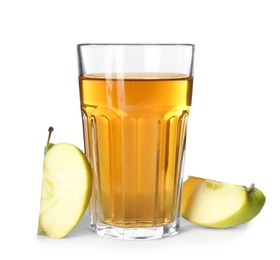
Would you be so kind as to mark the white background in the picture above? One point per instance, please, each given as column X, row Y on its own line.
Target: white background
column 233, row 130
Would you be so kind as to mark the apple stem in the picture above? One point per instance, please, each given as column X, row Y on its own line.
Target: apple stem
column 50, row 132
column 251, row 188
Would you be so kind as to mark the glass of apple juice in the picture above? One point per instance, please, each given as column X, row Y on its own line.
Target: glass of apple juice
column 135, row 103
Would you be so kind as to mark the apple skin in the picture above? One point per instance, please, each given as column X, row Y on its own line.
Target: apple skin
column 253, row 203
column 61, row 211
column 48, row 147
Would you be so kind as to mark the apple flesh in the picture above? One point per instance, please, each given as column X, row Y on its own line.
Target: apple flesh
column 219, row 205
column 66, row 189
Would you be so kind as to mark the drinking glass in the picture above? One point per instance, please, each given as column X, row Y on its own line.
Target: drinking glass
column 135, row 103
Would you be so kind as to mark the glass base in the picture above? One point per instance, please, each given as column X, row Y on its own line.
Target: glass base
column 136, row 233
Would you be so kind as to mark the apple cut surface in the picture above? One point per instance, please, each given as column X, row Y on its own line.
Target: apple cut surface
column 66, row 189
column 219, row 205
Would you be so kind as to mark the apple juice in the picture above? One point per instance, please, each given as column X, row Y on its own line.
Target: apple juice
column 135, row 133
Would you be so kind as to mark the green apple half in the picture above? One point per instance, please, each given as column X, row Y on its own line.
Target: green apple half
column 66, row 189
column 219, row 205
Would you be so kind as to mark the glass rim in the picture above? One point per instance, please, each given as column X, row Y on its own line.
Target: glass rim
column 136, row 44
